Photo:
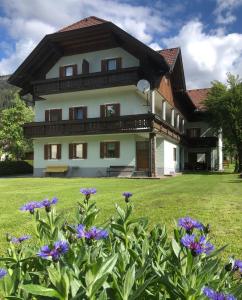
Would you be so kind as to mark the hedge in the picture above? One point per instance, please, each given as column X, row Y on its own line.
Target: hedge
column 15, row 167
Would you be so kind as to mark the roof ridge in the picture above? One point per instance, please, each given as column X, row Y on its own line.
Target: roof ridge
column 207, row 88
column 172, row 48
column 82, row 21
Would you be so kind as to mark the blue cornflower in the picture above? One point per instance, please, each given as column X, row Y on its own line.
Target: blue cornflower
column 237, row 265
column 197, row 246
column 96, row 234
column 60, row 248
column 189, row 224
column 127, row 195
column 88, row 192
column 20, row 239
column 31, row 206
column 3, row 273
column 46, row 203
column 213, row 295
column 80, row 231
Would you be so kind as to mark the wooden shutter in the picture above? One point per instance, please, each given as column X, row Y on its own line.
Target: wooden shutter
column 119, row 63
column 71, row 113
column 85, row 66
column 102, row 111
column 102, row 148
column 58, row 151
column 62, row 72
column 84, row 112
column 104, row 65
column 117, row 149
column 70, row 151
column 74, row 70
column 46, row 151
column 84, row 150
column 59, row 114
column 47, row 116
column 117, row 109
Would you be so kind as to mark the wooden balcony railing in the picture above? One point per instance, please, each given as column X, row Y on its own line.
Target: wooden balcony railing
column 201, row 142
column 131, row 123
column 127, row 76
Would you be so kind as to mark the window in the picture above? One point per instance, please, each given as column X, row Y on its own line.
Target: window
column 109, row 149
column 78, row 151
column 52, row 151
column 53, row 115
column 111, row 64
column 78, row 113
column 68, row 71
column 110, row 110
column 174, row 154
column 194, row 132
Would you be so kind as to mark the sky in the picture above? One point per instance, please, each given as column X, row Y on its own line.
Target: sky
column 209, row 32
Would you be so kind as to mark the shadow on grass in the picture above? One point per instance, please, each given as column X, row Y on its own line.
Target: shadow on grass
column 207, row 173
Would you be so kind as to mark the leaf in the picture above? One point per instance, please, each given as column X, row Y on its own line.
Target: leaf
column 176, row 248
column 129, row 282
column 36, row 289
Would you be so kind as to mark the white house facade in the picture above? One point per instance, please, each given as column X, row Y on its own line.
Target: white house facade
column 91, row 119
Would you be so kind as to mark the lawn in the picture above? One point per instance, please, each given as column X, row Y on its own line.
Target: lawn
column 214, row 199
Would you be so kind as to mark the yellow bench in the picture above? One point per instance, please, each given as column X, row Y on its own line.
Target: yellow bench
column 56, row 169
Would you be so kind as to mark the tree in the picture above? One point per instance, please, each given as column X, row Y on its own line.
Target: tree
column 12, row 141
column 224, row 110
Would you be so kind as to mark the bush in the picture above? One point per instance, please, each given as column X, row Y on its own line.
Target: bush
column 9, row 167
column 120, row 259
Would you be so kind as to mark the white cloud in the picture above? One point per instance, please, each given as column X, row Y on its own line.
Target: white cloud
column 28, row 21
column 224, row 11
column 207, row 57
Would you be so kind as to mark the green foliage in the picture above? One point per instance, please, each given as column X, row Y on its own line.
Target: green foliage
column 132, row 263
column 9, row 167
column 12, row 141
column 224, row 106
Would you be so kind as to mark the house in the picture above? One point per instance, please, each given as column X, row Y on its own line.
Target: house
column 107, row 104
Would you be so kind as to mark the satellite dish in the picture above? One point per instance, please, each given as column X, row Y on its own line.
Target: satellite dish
column 143, row 86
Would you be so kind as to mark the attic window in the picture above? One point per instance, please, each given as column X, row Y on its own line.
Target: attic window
column 69, row 71
column 111, row 64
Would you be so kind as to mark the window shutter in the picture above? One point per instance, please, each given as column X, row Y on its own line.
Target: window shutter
column 71, row 113
column 70, row 151
column 84, row 112
column 47, row 116
column 85, row 66
column 62, row 72
column 84, row 150
column 46, row 151
column 102, row 146
column 119, row 63
column 102, row 111
column 104, row 65
column 59, row 114
column 117, row 149
column 74, row 70
column 117, row 109
column 58, row 151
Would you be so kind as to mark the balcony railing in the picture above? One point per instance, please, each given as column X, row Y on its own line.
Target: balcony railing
column 125, row 124
column 127, row 76
column 201, row 142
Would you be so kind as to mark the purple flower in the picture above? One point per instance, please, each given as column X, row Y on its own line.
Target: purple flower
column 211, row 294
column 60, row 248
column 96, row 234
column 237, row 265
column 46, row 203
column 127, row 195
column 80, row 231
column 88, row 192
column 20, row 239
column 2, row 273
column 189, row 224
column 31, row 206
column 197, row 246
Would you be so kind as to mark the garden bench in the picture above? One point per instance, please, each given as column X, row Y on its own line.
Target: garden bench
column 56, row 169
column 120, row 171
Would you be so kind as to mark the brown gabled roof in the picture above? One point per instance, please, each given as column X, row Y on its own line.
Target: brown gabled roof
column 198, row 96
column 170, row 55
column 87, row 22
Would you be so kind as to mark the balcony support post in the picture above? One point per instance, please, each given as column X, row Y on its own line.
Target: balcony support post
column 220, row 150
column 152, row 154
column 152, row 99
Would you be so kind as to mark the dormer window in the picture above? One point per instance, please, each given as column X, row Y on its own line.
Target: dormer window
column 68, row 71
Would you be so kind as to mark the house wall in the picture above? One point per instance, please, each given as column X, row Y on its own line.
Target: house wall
column 165, row 89
column 93, row 166
column 130, row 102
column 94, row 59
column 206, row 131
column 159, row 156
column 171, row 166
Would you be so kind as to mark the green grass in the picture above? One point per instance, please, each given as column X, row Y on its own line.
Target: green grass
column 214, row 199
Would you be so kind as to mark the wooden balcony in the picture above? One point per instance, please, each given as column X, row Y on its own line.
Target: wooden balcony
column 202, row 142
column 122, row 124
column 127, row 76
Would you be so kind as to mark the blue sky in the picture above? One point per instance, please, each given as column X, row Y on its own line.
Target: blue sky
column 209, row 32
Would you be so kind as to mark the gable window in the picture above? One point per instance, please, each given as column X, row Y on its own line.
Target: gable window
column 109, row 149
column 111, row 64
column 194, row 132
column 78, row 151
column 68, row 71
column 174, row 154
column 110, row 110
column 53, row 115
column 78, row 113
column 52, row 151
